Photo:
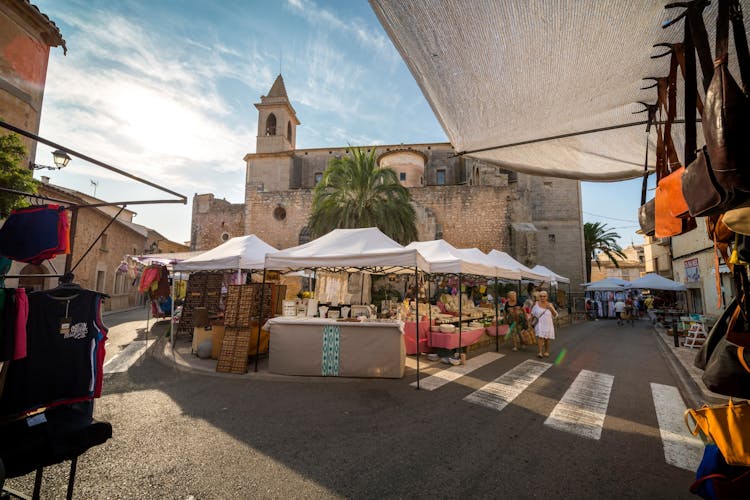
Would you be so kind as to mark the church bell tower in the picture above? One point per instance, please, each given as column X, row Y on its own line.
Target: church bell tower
column 277, row 121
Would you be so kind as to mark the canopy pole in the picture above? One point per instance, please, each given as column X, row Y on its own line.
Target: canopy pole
column 171, row 318
column 416, row 286
column 260, row 320
column 460, row 315
column 497, row 327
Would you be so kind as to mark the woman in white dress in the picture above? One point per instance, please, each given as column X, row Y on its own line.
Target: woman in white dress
column 545, row 312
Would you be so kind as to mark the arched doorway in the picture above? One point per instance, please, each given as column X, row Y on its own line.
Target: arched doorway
column 30, row 281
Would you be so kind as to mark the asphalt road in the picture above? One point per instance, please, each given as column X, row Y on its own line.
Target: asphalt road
column 183, row 435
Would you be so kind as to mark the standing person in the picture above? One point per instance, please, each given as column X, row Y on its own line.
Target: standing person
column 514, row 315
column 545, row 312
column 629, row 311
column 619, row 309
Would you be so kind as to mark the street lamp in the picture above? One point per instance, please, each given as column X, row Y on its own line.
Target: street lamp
column 60, row 158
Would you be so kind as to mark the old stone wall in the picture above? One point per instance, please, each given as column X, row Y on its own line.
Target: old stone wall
column 215, row 221
column 475, row 216
column 279, row 217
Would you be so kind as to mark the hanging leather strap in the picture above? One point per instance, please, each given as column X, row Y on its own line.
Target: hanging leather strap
column 644, row 188
column 740, row 43
column 699, row 37
column 692, row 100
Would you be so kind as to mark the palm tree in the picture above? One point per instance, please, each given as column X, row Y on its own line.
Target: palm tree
column 354, row 192
column 597, row 237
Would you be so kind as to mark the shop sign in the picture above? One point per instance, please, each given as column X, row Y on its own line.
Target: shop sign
column 692, row 273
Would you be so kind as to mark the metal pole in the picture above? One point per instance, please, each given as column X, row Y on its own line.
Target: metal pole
column 171, row 317
column 260, row 320
column 416, row 286
column 73, row 225
column 497, row 328
column 460, row 314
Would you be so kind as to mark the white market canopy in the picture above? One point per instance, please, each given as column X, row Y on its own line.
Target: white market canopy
column 551, row 275
column 653, row 281
column 502, row 259
column 349, row 250
column 546, row 87
column 476, row 255
column 242, row 252
column 444, row 258
column 607, row 284
column 165, row 259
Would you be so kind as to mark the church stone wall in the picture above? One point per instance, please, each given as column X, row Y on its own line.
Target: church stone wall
column 212, row 218
column 277, row 217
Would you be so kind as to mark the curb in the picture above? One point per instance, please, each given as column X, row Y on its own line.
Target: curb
column 691, row 390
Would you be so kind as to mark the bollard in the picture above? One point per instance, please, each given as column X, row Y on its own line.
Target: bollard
column 676, row 336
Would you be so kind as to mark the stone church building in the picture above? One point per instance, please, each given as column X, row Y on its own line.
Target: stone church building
column 466, row 202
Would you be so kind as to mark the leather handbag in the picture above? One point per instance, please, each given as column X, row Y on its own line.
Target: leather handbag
column 702, row 192
column 727, row 426
column 646, row 218
column 726, row 114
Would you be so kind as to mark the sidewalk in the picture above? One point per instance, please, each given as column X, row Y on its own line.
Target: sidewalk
column 680, row 360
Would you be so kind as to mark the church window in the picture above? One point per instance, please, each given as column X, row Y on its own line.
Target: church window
column 441, row 177
column 224, row 236
column 402, row 176
column 305, row 235
column 289, row 131
column 271, row 124
column 318, row 177
column 279, row 213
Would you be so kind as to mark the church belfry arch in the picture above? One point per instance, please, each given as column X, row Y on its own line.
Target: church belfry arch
column 271, row 124
column 289, row 131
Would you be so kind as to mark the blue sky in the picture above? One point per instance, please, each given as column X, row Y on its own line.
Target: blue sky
column 165, row 90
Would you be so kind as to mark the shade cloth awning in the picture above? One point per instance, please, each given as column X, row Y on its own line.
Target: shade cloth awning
column 166, row 259
column 552, row 276
column 349, row 250
column 242, row 252
column 546, row 87
column 653, row 281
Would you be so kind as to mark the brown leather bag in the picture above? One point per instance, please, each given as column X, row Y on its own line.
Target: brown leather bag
column 703, row 194
column 726, row 114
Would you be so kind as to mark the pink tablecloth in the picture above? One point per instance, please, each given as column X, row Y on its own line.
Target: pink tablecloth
column 450, row 340
column 410, row 336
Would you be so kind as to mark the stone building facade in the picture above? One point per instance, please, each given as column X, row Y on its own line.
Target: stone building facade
column 26, row 36
column 464, row 201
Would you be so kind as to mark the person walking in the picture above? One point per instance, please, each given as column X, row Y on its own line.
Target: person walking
column 649, row 304
column 619, row 309
column 545, row 313
column 513, row 315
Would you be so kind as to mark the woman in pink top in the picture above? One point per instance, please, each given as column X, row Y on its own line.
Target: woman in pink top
column 545, row 312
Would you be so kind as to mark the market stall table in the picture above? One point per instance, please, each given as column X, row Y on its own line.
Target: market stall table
column 326, row 347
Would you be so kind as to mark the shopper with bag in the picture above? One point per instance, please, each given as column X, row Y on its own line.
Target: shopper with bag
column 514, row 316
column 543, row 314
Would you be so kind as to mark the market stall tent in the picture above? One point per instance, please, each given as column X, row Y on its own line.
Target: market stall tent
column 502, row 259
column 476, row 255
column 653, row 281
column 241, row 252
column 607, row 284
column 349, row 250
column 551, row 275
column 444, row 258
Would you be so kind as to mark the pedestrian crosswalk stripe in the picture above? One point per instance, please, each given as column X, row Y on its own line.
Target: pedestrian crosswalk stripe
column 681, row 448
column 504, row 389
column 443, row 377
column 423, row 363
column 127, row 357
column 583, row 406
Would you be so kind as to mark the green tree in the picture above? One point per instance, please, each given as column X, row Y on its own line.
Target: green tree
column 13, row 175
column 598, row 238
column 354, row 192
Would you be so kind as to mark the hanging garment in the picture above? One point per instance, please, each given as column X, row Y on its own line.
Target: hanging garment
column 21, row 318
column 149, row 276
column 7, row 324
column 65, row 352
column 34, row 234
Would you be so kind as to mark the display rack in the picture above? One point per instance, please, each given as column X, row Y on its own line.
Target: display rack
column 696, row 335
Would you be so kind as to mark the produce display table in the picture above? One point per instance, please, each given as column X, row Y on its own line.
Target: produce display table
column 326, row 347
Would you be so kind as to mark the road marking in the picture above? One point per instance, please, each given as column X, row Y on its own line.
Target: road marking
column 443, row 377
column 681, row 448
column 583, row 406
column 423, row 362
column 504, row 389
column 127, row 357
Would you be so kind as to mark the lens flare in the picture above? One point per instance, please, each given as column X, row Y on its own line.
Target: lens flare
column 561, row 356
